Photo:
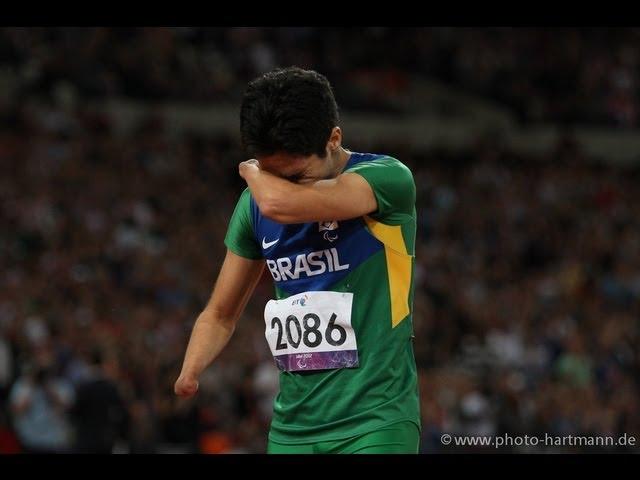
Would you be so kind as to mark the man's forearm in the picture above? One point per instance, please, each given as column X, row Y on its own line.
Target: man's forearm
column 213, row 328
column 275, row 196
column 347, row 196
column 209, row 336
column 288, row 202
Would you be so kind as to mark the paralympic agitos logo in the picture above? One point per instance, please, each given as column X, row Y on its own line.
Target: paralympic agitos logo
column 328, row 229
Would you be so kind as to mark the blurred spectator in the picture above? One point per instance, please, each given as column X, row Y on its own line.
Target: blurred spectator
column 6, row 369
column 9, row 442
column 39, row 403
column 99, row 412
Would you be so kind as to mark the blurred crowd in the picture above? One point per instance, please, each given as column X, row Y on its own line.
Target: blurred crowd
column 526, row 306
column 567, row 75
column 529, row 281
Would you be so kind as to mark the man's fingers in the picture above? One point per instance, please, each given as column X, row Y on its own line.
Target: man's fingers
column 252, row 163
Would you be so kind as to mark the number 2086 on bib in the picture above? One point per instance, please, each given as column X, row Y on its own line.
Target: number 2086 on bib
column 311, row 331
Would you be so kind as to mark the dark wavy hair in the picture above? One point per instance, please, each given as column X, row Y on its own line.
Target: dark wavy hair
column 288, row 110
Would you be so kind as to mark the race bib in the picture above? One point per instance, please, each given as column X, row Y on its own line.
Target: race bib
column 311, row 331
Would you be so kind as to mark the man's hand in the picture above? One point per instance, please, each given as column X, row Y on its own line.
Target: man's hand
column 248, row 168
column 186, row 386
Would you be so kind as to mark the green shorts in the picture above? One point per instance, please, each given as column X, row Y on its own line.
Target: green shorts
column 402, row 437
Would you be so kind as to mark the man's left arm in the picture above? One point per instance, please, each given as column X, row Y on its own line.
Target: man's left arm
column 344, row 197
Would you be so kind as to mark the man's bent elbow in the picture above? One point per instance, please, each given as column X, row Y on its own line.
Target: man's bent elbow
column 273, row 209
column 270, row 210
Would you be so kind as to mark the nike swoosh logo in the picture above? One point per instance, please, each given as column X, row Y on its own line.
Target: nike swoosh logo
column 266, row 245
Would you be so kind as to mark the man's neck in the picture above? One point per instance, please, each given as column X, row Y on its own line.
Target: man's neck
column 341, row 160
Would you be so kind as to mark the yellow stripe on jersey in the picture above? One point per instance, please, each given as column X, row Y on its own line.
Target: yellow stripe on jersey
column 398, row 267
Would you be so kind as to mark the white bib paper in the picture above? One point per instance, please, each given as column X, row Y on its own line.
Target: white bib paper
column 311, row 331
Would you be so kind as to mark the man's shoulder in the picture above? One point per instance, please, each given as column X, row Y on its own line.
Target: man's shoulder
column 381, row 168
column 246, row 201
column 376, row 160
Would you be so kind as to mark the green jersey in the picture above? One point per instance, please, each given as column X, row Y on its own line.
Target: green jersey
column 340, row 326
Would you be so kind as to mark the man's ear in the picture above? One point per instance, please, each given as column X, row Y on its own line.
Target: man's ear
column 335, row 139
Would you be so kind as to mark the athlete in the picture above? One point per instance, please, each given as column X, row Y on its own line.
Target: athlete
column 336, row 231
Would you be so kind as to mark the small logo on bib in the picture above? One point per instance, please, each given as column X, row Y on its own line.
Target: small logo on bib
column 300, row 301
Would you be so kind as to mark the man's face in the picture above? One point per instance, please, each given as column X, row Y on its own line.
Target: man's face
column 296, row 168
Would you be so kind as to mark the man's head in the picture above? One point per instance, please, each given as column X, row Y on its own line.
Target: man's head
column 288, row 122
